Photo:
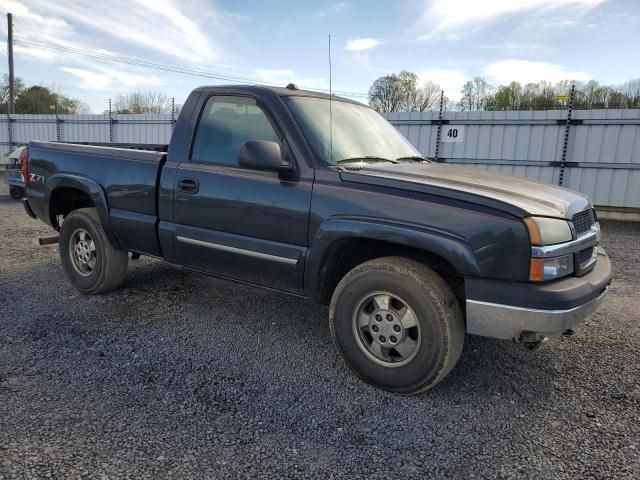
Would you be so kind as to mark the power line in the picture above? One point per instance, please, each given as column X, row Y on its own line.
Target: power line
column 158, row 66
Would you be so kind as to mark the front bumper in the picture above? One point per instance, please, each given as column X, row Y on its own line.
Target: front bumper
column 549, row 309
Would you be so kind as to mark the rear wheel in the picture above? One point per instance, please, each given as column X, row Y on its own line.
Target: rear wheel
column 397, row 324
column 92, row 264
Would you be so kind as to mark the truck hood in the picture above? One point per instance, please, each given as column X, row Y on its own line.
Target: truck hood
column 535, row 198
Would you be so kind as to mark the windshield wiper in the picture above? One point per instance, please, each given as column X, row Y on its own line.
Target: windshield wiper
column 365, row 159
column 413, row 158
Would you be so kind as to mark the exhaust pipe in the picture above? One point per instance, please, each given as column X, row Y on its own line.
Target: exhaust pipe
column 49, row 240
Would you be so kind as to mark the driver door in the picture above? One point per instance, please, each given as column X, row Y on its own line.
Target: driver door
column 233, row 222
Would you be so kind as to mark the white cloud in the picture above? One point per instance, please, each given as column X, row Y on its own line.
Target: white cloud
column 190, row 31
column 34, row 52
column 105, row 77
column 88, row 78
column 525, row 71
column 284, row 76
column 361, row 44
column 528, row 48
column 276, row 76
column 450, row 80
column 331, row 9
column 453, row 14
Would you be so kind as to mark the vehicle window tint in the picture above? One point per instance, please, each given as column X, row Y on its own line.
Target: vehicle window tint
column 226, row 123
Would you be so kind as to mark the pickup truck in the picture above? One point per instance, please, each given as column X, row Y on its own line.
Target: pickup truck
column 320, row 197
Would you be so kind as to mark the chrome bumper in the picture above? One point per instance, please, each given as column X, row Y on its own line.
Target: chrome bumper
column 508, row 322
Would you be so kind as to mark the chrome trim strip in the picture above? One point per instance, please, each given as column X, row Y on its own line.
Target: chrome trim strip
column 507, row 321
column 240, row 251
column 585, row 240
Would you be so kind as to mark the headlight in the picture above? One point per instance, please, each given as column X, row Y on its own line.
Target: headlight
column 542, row 269
column 548, row 231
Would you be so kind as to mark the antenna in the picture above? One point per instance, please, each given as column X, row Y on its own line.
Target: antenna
column 330, row 110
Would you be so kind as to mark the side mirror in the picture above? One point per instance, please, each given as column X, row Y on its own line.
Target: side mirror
column 262, row 155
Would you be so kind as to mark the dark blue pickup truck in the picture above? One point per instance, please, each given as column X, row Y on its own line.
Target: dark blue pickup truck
column 320, row 197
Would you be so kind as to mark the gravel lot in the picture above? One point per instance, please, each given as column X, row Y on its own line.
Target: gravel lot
column 180, row 375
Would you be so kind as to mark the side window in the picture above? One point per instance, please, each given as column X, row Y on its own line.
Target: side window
column 226, row 123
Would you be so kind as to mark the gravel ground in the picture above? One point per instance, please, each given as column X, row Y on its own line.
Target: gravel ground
column 180, row 375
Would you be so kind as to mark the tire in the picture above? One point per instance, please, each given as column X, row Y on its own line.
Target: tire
column 97, row 266
column 431, row 329
column 16, row 192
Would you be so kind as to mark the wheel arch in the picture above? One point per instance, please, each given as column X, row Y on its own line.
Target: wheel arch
column 66, row 193
column 341, row 244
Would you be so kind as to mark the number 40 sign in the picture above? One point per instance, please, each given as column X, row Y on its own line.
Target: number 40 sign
column 452, row 133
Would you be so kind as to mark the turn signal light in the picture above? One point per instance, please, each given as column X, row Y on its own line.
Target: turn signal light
column 534, row 233
column 536, row 270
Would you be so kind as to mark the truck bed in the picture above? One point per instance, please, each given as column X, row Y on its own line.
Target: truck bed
column 129, row 175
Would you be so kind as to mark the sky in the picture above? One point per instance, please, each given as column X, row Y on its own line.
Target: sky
column 277, row 42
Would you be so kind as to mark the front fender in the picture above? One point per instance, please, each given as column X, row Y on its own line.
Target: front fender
column 453, row 249
column 86, row 185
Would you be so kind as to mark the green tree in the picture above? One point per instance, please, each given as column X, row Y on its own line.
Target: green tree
column 39, row 100
column 502, row 99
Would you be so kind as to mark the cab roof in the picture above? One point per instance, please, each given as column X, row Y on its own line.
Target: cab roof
column 279, row 91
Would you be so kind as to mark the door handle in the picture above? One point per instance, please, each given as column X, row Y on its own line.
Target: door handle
column 188, row 185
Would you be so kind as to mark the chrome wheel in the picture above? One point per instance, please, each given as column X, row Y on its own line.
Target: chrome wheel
column 82, row 251
column 386, row 329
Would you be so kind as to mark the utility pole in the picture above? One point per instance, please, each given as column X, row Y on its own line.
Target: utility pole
column 10, row 52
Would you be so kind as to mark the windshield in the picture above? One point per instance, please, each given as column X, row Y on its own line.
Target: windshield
column 358, row 133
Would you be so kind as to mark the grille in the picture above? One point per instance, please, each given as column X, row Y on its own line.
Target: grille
column 582, row 221
column 584, row 255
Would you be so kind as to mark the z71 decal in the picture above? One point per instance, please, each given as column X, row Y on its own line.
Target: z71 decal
column 36, row 178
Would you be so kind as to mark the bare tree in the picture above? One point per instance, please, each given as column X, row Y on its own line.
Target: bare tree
column 428, row 96
column 475, row 94
column 467, row 99
column 482, row 90
column 19, row 87
column 142, row 102
column 630, row 90
column 385, row 95
column 403, row 92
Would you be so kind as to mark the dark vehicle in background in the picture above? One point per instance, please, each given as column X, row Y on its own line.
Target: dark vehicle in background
column 320, row 197
column 13, row 173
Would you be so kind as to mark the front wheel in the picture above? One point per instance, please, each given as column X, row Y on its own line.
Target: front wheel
column 92, row 264
column 397, row 324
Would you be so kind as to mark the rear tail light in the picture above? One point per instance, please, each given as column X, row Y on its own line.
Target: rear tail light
column 24, row 160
